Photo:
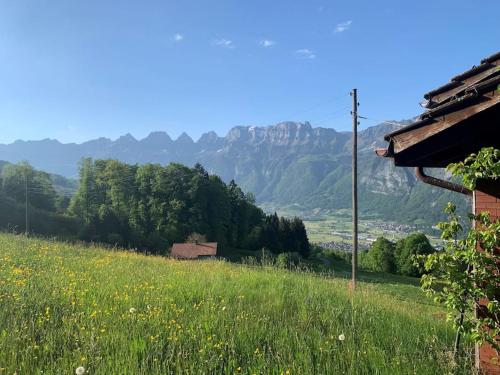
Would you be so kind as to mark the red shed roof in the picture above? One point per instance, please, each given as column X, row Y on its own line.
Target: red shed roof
column 193, row 250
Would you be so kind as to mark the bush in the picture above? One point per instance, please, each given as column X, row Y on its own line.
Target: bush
column 380, row 257
column 284, row 260
column 407, row 249
column 385, row 256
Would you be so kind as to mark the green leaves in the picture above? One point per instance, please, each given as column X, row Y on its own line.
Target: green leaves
column 467, row 270
column 483, row 165
column 380, row 257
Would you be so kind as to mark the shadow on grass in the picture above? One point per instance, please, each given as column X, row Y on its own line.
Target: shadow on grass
column 327, row 267
column 343, row 269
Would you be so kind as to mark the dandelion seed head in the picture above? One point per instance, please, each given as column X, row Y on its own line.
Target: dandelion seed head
column 341, row 337
column 80, row 370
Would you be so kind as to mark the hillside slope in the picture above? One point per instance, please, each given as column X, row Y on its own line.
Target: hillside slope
column 65, row 306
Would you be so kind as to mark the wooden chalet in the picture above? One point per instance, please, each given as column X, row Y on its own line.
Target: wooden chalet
column 194, row 250
column 461, row 117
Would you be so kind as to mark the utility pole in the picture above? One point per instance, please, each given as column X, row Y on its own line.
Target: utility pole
column 354, row 113
column 26, row 200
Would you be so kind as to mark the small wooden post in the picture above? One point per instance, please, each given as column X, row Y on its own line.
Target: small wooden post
column 26, row 228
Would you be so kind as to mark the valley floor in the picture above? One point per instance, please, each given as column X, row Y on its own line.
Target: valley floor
column 334, row 229
column 63, row 306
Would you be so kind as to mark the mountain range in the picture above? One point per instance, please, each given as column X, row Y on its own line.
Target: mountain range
column 290, row 164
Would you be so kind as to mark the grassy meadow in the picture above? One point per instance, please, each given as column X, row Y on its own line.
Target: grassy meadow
column 63, row 306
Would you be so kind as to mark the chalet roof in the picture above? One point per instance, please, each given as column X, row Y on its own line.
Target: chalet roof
column 462, row 116
column 192, row 250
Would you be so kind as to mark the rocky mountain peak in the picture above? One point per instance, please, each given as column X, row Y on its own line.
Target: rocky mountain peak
column 159, row 138
column 240, row 134
column 281, row 134
column 209, row 139
column 184, row 139
column 127, row 138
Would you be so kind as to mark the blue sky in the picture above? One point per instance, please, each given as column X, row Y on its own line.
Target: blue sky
column 77, row 70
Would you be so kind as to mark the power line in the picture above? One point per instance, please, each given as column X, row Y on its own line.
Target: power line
column 335, row 114
column 382, row 121
column 309, row 109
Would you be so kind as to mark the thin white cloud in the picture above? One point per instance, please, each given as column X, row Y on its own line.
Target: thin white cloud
column 343, row 26
column 226, row 43
column 305, row 53
column 178, row 37
column 267, row 43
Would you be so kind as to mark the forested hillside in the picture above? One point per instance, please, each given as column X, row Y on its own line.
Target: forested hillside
column 288, row 164
column 146, row 207
column 48, row 198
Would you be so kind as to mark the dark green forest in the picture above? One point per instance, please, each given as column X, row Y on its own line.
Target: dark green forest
column 147, row 207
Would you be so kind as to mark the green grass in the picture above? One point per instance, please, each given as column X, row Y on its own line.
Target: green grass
column 63, row 306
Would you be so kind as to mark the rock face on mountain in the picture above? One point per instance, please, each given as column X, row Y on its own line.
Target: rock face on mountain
column 286, row 164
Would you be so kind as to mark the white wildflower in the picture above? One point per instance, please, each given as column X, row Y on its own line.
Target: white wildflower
column 132, row 310
column 80, row 370
column 341, row 337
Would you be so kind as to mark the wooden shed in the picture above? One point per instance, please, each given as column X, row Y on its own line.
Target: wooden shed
column 194, row 250
column 462, row 117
